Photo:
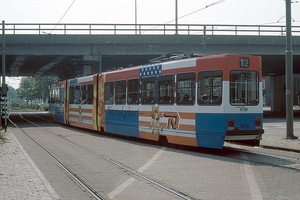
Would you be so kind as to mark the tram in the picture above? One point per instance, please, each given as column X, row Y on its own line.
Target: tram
column 198, row 101
column 56, row 101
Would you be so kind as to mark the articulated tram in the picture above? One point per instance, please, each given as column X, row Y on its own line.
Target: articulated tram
column 200, row 101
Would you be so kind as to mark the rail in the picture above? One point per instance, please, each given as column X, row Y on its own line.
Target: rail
column 147, row 29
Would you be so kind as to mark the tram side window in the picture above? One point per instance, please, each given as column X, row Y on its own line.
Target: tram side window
column 166, row 89
column 87, row 94
column 90, row 94
column 210, row 88
column 83, row 94
column 244, row 88
column 77, row 95
column 109, row 93
column 185, row 90
column 120, row 92
column 148, row 90
column 61, row 95
column 54, row 96
column 133, row 91
column 71, row 95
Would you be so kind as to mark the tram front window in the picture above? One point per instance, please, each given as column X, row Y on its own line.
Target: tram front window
column 244, row 88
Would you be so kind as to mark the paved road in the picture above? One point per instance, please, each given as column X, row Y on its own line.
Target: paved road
column 26, row 173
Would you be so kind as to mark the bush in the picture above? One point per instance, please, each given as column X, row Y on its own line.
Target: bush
column 18, row 104
column 21, row 105
column 3, row 139
column 44, row 107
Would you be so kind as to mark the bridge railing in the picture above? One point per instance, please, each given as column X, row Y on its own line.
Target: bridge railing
column 147, row 29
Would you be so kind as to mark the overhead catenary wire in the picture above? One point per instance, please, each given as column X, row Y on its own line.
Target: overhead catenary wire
column 63, row 16
column 210, row 5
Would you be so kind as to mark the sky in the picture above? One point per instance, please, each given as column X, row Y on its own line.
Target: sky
column 255, row 12
column 232, row 12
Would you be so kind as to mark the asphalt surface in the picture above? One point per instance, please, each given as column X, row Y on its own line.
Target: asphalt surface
column 20, row 178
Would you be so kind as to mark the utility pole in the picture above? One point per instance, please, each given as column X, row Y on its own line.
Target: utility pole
column 4, row 86
column 204, row 40
column 289, row 74
column 135, row 11
column 176, row 17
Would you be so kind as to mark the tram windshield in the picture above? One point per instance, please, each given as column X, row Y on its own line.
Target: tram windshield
column 244, row 87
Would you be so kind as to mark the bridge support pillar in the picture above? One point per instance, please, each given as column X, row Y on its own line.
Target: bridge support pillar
column 279, row 93
column 87, row 69
column 92, row 64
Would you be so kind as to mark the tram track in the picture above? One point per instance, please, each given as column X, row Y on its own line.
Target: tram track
column 224, row 153
column 65, row 168
column 80, row 180
column 245, row 156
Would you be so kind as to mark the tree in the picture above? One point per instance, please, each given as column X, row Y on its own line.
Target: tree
column 33, row 88
column 12, row 93
column 24, row 90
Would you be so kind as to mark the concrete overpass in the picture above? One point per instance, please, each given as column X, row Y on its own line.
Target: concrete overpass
column 69, row 50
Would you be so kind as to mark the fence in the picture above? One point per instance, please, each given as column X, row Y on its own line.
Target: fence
column 147, row 29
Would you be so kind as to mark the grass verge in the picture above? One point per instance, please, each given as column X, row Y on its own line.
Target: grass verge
column 3, row 139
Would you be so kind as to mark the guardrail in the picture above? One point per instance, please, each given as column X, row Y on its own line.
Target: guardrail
column 147, row 29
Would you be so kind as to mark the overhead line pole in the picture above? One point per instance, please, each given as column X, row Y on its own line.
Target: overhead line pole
column 135, row 18
column 176, row 17
column 4, row 86
column 289, row 74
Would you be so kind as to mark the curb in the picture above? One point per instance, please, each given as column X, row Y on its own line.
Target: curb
column 280, row 148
